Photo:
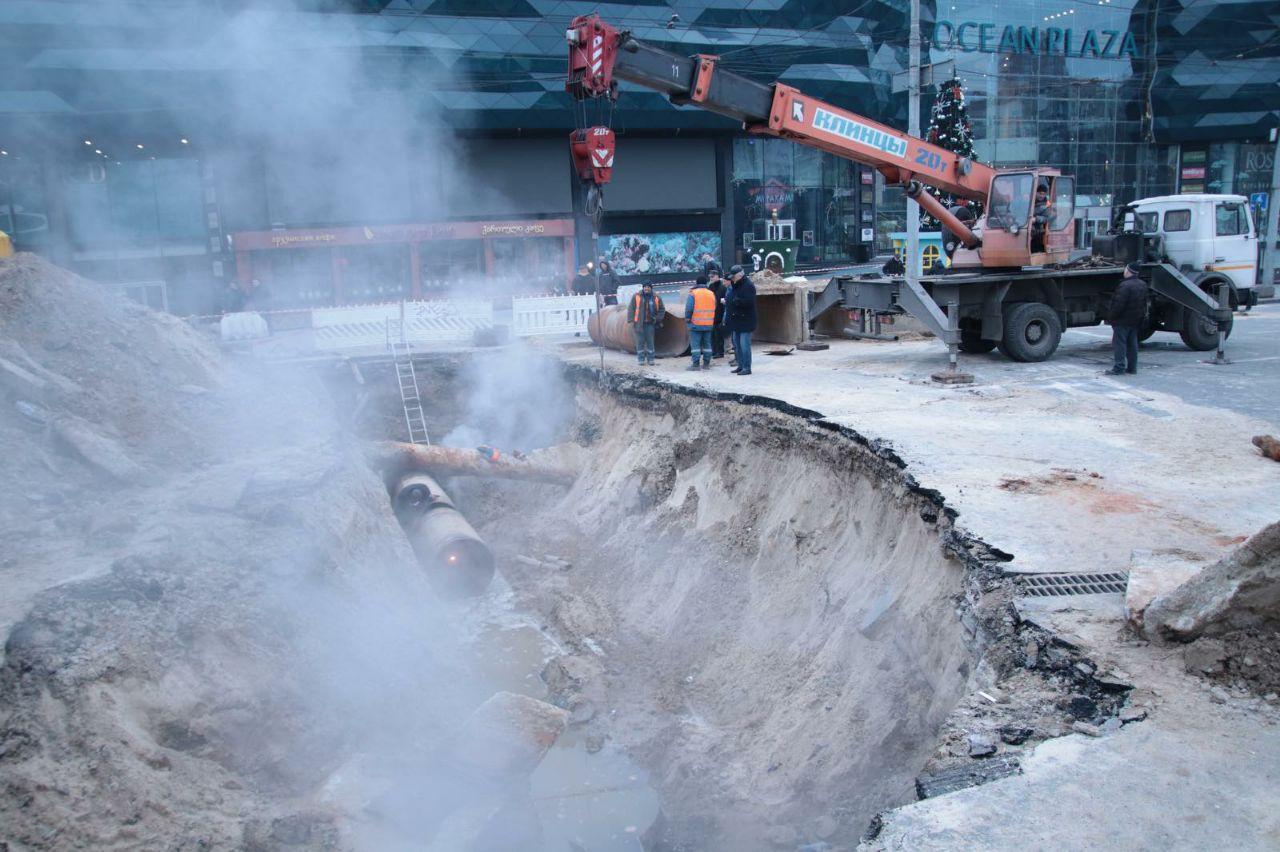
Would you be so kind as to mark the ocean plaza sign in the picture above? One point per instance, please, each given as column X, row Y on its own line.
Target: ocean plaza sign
column 971, row 36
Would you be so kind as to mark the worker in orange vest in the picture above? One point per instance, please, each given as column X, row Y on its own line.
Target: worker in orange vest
column 645, row 315
column 700, row 315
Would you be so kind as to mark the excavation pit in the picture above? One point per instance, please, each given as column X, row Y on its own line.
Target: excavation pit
column 768, row 616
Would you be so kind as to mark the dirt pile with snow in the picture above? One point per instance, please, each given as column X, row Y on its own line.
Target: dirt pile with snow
column 96, row 375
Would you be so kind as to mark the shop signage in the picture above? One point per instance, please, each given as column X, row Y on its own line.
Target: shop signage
column 773, row 194
column 1258, row 161
column 512, row 230
column 971, row 36
column 280, row 240
column 1193, row 172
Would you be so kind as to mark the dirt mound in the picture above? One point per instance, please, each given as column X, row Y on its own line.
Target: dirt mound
column 91, row 376
column 770, row 283
column 209, row 607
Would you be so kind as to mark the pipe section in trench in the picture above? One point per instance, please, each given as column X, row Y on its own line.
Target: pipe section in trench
column 609, row 328
column 397, row 457
column 457, row 561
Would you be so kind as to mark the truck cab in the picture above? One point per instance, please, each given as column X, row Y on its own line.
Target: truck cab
column 1210, row 238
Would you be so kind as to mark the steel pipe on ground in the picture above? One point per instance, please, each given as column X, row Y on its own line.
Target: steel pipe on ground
column 397, row 457
column 609, row 328
column 457, row 561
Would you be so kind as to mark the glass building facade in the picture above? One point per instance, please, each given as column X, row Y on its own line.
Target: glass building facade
column 138, row 138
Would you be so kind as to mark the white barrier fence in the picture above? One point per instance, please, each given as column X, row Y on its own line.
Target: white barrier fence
column 377, row 326
column 352, row 328
column 536, row 315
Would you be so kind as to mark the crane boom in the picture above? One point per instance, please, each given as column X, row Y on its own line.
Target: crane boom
column 599, row 55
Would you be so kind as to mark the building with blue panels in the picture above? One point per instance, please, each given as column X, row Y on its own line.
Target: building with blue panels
column 358, row 150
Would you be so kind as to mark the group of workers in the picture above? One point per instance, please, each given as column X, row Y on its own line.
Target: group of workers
column 717, row 304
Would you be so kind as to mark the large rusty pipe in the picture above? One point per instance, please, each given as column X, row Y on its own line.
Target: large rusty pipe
column 609, row 328
column 457, row 561
column 939, row 211
column 396, row 458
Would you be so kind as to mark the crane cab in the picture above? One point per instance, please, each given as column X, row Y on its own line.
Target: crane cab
column 1029, row 221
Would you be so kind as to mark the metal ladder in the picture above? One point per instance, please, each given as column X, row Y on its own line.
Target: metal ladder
column 407, row 379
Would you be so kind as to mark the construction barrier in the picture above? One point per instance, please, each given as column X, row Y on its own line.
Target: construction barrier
column 378, row 326
column 551, row 314
column 445, row 320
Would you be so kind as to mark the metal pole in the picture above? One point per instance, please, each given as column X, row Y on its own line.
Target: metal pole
column 1224, row 301
column 1270, row 256
column 913, row 128
column 953, row 326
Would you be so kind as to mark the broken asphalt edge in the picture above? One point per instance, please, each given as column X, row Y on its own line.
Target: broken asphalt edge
column 1000, row 624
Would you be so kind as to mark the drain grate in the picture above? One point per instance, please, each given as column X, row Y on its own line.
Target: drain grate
column 1042, row 585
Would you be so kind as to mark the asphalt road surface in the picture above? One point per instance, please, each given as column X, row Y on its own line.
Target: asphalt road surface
column 1250, row 384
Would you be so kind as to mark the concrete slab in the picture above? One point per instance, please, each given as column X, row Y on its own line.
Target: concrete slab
column 1150, row 576
column 1067, row 795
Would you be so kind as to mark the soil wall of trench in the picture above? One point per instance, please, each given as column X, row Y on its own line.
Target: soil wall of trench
column 769, row 614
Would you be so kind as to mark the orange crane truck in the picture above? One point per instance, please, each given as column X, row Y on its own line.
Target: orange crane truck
column 1011, row 282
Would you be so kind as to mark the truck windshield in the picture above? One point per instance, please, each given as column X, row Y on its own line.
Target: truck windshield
column 1010, row 201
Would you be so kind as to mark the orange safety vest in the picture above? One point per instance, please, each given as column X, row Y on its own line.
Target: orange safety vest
column 637, row 303
column 704, row 307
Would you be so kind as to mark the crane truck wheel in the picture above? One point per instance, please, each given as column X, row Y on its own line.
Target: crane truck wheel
column 1201, row 333
column 1032, row 331
column 972, row 343
column 1147, row 329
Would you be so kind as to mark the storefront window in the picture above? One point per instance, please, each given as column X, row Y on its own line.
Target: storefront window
column 376, row 273
column 451, row 264
column 297, row 278
column 23, row 214
column 815, row 193
column 136, row 204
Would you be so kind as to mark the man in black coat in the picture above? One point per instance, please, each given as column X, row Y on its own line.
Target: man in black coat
column 608, row 283
column 718, row 288
column 740, row 317
column 1128, row 311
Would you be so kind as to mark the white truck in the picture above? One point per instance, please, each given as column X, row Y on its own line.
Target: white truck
column 1210, row 238
column 1197, row 253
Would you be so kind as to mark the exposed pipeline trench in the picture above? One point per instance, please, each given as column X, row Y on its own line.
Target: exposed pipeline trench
column 765, row 613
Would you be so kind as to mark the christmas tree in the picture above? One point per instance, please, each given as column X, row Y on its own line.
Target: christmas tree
column 950, row 128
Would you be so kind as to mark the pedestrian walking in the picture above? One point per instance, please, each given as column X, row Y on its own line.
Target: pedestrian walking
column 645, row 315
column 584, row 283
column 740, row 317
column 700, row 316
column 608, row 283
column 718, row 289
column 1128, row 312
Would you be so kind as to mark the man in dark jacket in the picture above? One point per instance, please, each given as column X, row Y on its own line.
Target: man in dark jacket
column 1128, row 311
column 740, row 317
column 608, row 283
column 716, row 284
column 584, row 283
